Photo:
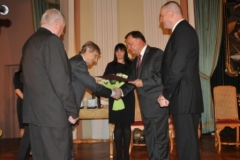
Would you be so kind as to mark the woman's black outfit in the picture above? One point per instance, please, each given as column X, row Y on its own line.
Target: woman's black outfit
column 122, row 119
column 19, row 85
column 24, row 147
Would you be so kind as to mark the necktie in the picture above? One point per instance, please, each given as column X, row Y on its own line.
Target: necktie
column 139, row 61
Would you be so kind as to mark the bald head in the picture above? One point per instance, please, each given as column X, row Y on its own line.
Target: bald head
column 170, row 14
column 173, row 6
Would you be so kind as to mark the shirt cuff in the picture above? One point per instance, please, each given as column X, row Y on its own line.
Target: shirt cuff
column 113, row 93
column 121, row 92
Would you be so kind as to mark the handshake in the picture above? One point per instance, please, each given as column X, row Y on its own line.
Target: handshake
column 117, row 93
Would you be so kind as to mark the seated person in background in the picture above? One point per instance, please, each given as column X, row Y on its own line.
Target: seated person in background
column 81, row 79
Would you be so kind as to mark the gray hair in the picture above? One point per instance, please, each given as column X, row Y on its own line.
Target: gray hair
column 52, row 15
column 92, row 47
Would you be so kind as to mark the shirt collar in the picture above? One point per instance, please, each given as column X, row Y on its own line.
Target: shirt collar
column 176, row 24
column 47, row 29
column 83, row 57
column 143, row 50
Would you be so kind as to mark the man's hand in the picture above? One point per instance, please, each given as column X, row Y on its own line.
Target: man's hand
column 137, row 83
column 71, row 120
column 117, row 94
column 163, row 102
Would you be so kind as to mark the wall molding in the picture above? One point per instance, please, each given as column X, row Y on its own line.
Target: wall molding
column 11, row 128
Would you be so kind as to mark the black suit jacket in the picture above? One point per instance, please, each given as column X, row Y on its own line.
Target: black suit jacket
column 81, row 79
column 49, row 98
column 181, row 71
column 150, row 74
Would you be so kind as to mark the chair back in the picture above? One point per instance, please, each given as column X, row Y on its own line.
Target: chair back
column 138, row 115
column 225, row 102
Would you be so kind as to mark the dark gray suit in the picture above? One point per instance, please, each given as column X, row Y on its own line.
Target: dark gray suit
column 182, row 88
column 155, row 118
column 49, row 98
column 81, row 79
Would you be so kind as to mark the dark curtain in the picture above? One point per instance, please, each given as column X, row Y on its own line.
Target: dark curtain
column 39, row 7
column 209, row 29
column 220, row 77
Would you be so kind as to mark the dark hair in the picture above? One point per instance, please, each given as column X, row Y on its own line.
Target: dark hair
column 136, row 34
column 92, row 46
column 20, row 66
column 122, row 47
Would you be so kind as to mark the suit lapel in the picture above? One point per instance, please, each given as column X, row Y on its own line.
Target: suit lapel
column 134, row 65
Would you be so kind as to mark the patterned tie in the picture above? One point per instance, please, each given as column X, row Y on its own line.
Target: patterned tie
column 139, row 61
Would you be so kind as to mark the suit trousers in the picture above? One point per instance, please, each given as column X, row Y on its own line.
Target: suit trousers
column 156, row 137
column 51, row 143
column 24, row 147
column 186, row 130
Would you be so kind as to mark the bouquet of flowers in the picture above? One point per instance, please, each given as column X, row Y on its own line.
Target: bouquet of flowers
column 111, row 84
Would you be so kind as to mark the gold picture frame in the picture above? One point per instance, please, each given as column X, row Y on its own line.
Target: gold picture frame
column 232, row 34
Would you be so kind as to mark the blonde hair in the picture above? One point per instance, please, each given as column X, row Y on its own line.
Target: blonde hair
column 52, row 15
